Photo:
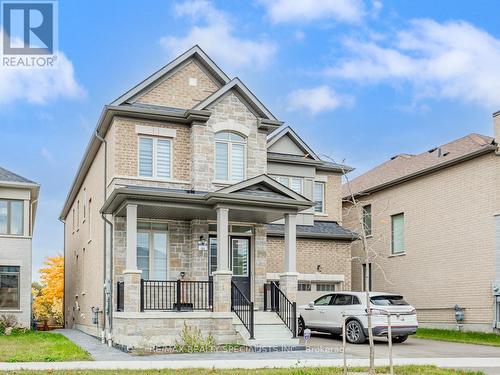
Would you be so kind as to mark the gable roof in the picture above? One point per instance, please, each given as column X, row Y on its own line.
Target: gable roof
column 194, row 52
column 11, row 177
column 247, row 95
column 288, row 131
column 403, row 167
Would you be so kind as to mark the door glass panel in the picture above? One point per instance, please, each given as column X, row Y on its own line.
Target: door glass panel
column 213, row 255
column 143, row 254
column 239, row 250
column 160, row 256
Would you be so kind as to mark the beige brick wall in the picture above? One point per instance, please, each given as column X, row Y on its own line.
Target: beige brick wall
column 333, row 256
column 125, row 148
column 449, row 241
column 176, row 92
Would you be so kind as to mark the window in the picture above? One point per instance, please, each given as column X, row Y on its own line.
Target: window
column 152, row 245
column 73, row 225
column 90, row 221
column 303, row 287
column 391, row 300
column 325, row 300
column 11, row 217
column 230, row 160
column 398, row 238
column 294, row 183
column 342, row 300
column 325, row 287
column 155, row 157
column 212, row 260
column 240, row 256
column 367, row 219
column 319, row 197
column 369, row 277
column 9, row 287
column 84, row 204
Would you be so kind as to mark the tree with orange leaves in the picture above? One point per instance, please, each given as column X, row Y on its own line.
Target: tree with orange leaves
column 48, row 303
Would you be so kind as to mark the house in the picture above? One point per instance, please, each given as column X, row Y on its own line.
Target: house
column 18, row 203
column 194, row 204
column 433, row 227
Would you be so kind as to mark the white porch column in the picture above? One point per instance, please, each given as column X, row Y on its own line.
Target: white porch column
column 289, row 279
column 222, row 277
column 131, row 275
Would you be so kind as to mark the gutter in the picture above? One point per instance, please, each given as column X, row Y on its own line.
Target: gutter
column 434, row 168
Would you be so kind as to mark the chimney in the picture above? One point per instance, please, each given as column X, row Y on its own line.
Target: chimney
column 496, row 128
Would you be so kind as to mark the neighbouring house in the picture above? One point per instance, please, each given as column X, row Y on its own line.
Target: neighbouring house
column 193, row 204
column 18, row 203
column 433, row 225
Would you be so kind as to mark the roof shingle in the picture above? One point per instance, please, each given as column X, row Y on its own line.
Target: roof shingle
column 8, row 176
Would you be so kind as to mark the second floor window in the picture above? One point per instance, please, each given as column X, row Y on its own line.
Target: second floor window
column 367, row 219
column 11, row 217
column 319, row 197
column 230, row 157
column 155, row 157
column 294, row 183
column 398, row 233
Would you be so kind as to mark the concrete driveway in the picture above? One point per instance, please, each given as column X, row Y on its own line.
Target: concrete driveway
column 412, row 348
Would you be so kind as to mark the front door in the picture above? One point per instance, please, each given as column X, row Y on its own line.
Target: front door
column 239, row 251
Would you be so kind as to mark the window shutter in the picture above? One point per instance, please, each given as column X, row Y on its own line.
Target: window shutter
column 146, row 157
column 163, row 158
column 221, row 161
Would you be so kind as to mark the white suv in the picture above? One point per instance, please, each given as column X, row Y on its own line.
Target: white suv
column 326, row 314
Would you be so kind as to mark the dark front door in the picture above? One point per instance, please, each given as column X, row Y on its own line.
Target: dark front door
column 239, row 250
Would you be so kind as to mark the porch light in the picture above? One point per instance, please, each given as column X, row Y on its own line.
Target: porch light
column 202, row 244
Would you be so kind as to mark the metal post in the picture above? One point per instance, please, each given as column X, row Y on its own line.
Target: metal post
column 265, row 297
column 251, row 321
column 178, row 295
column 389, row 334
column 344, row 343
column 294, row 315
column 142, row 294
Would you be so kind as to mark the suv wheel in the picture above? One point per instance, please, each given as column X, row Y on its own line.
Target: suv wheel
column 354, row 332
column 301, row 327
column 399, row 339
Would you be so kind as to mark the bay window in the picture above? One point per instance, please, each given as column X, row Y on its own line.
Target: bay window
column 11, row 217
column 230, row 157
column 155, row 157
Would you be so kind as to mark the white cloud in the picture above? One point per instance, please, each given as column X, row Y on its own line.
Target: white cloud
column 214, row 31
column 283, row 11
column 317, row 99
column 46, row 154
column 39, row 85
column 452, row 60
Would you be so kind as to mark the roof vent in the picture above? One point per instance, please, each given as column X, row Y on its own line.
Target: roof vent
column 432, row 150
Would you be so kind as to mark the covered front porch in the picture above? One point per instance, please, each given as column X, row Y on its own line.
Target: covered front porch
column 186, row 252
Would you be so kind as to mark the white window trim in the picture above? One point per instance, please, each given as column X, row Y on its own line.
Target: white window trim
column 151, row 250
column 154, row 159
column 230, row 179
column 323, row 208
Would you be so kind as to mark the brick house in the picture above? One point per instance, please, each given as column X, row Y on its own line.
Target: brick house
column 434, row 229
column 18, row 204
column 190, row 198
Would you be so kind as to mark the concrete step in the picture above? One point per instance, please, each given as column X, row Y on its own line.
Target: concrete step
column 273, row 342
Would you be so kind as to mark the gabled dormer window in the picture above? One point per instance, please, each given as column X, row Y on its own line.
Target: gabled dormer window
column 230, row 157
column 155, row 157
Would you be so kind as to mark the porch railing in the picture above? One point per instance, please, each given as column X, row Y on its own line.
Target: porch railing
column 119, row 295
column 243, row 308
column 279, row 303
column 160, row 295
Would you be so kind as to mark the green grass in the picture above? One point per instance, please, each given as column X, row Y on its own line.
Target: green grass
column 480, row 338
column 400, row 370
column 35, row 346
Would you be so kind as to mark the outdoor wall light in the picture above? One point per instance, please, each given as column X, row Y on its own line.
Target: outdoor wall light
column 202, row 244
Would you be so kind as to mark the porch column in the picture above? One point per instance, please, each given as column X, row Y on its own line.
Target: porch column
column 289, row 279
column 222, row 277
column 131, row 275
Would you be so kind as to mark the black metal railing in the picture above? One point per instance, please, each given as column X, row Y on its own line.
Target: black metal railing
column 275, row 300
column 120, row 293
column 160, row 295
column 243, row 308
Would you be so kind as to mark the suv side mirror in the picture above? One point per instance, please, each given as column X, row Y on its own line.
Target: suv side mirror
column 310, row 306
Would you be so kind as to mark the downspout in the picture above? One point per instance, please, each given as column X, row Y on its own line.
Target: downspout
column 107, row 287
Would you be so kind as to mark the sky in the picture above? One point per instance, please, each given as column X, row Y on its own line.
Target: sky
column 359, row 80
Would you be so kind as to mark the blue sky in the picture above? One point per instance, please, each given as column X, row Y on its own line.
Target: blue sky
column 360, row 80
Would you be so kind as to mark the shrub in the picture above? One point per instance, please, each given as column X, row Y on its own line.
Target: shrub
column 193, row 341
column 7, row 324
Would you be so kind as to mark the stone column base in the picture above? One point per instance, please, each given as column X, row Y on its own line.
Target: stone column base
column 288, row 284
column 222, row 291
column 132, row 290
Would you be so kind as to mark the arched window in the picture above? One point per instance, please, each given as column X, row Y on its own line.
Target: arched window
column 230, row 157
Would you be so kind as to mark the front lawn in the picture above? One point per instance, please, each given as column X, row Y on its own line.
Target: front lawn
column 400, row 370
column 35, row 346
column 480, row 338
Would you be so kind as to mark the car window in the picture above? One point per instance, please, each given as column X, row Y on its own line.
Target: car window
column 324, row 300
column 355, row 300
column 342, row 300
column 388, row 301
